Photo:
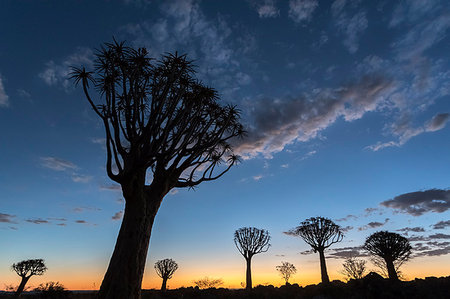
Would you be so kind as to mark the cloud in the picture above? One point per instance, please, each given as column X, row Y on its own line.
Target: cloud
column 431, row 248
column 438, row 122
column 7, row 218
column 112, row 187
column 4, row 98
column 81, row 221
column 117, row 216
column 258, row 177
column 57, row 74
column 302, row 10
column 85, row 209
column 37, row 221
column 346, row 252
column 351, row 27
column 303, row 117
column 439, row 236
column 23, row 93
column 406, row 230
column 347, row 218
column 346, row 228
column 374, row 224
column 57, row 164
column 78, row 178
column 57, row 219
column 265, row 8
column 442, row 224
column 420, row 202
column 405, row 131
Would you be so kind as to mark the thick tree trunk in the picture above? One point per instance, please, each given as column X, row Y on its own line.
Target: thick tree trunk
column 164, row 285
column 323, row 267
column 123, row 279
column 21, row 286
column 248, row 277
column 391, row 270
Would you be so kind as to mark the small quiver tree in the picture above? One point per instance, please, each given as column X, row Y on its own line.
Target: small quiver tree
column 319, row 233
column 250, row 241
column 354, row 268
column 164, row 129
column 286, row 271
column 165, row 269
column 26, row 269
column 207, row 283
column 392, row 248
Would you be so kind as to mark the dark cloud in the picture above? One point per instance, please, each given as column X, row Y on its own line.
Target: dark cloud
column 374, row 224
column 347, row 218
column 117, row 216
column 37, row 221
column 406, row 230
column 302, row 118
column 431, row 248
column 420, row 202
column 438, row 122
column 346, row 228
column 113, row 187
column 81, row 221
column 57, row 219
column 441, row 224
column 346, row 252
column 439, row 236
column 7, row 218
column 85, row 209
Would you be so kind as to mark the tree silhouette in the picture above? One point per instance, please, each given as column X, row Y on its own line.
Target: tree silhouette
column 165, row 269
column 319, row 233
column 250, row 241
column 392, row 248
column 286, row 270
column 164, row 129
column 207, row 283
column 26, row 269
column 354, row 268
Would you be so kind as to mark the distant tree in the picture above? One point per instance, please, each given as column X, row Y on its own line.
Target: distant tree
column 164, row 129
column 52, row 290
column 207, row 283
column 354, row 268
column 286, row 270
column 165, row 269
column 26, row 269
column 319, row 233
column 250, row 241
column 392, row 248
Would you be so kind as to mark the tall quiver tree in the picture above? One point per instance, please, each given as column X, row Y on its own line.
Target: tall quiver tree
column 250, row 241
column 26, row 269
column 165, row 269
column 164, row 129
column 319, row 233
column 393, row 248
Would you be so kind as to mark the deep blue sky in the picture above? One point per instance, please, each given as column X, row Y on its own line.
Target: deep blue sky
column 346, row 103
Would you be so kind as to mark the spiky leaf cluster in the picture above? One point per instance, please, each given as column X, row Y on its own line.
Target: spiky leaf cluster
column 165, row 268
column 250, row 241
column 389, row 246
column 29, row 268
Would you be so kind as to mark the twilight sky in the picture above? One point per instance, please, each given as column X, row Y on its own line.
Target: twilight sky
column 347, row 107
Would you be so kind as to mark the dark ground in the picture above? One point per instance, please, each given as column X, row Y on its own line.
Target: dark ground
column 372, row 286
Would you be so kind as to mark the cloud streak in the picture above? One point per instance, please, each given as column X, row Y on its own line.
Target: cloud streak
column 420, row 202
column 4, row 98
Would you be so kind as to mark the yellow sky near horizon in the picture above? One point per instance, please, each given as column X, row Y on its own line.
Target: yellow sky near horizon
column 232, row 274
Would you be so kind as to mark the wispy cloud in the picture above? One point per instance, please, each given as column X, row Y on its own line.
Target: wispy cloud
column 78, row 178
column 302, row 10
column 57, row 164
column 303, row 117
column 265, row 8
column 112, row 187
column 57, row 74
column 117, row 216
column 373, row 224
column 420, row 202
column 352, row 27
column 7, row 218
column 85, row 209
column 4, row 98
column 37, row 221
column 442, row 224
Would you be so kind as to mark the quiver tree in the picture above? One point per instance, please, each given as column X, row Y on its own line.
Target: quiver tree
column 354, row 268
column 392, row 248
column 164, row 129
column 286, row 270
column 26, row 269
column 250, row 241
column 319, row 233
column 165, row 269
